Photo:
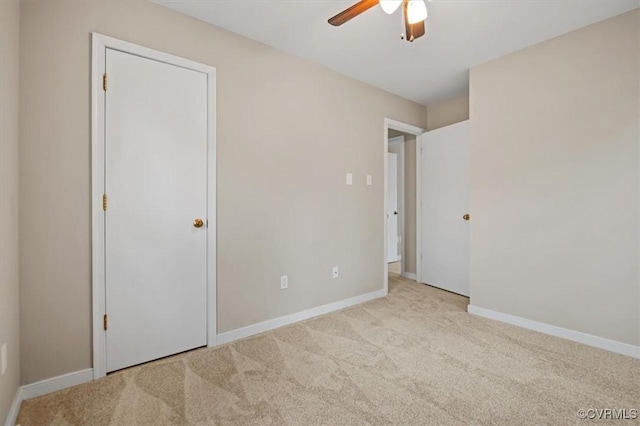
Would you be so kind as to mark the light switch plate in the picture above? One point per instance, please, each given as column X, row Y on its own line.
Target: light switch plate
column 349, row 179
column 369, row 180
column 335, row 272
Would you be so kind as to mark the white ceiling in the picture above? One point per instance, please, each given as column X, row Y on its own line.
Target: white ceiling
column 460, row 34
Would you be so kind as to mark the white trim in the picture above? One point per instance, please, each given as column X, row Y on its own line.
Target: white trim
column 272, row 324
column 410, row 275
column 12, row 416
column 419, row 207
column 44, row 387
column 402, row 127
column 64, row 381
column 403, row 216
column 212, row 211
column 97, row 224
column 403, row 172
column 385, row 170
column 99, row 44
column 55, row 384
column 412, row 130
column 565, row 333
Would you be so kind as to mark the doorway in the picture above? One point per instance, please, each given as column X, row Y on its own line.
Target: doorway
column 402, row 223
column 441, row 178
column 153, row 212
column 395, row 210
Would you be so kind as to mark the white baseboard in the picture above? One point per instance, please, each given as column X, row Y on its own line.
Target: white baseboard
column 15, row 409
column 54, row 384
column 410, row 275
column 44, row 387
column 261, row 327
column 576, row 336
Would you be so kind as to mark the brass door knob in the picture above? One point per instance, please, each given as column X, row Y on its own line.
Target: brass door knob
column 198, row 223
column 466, row 217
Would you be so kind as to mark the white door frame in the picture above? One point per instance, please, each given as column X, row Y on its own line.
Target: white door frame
column 412, row 130
column 99, row 45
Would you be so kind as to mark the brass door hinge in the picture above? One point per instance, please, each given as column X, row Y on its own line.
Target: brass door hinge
column 104, row 81
column 105, row 320
column 104, row 202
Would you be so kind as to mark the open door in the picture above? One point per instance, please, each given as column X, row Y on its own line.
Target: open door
column 444, row 191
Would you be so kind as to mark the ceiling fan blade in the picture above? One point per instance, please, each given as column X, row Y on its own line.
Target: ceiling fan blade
column 413, row 31
column 352, row 12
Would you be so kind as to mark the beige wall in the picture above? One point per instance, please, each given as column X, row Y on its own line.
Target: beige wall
column 9, row 101
column 554, row 181
column 283, row 207
column 448, row 112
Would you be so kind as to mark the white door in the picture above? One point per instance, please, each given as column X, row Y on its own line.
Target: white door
column 445, row 200
column 156, row 184
column 392, row 207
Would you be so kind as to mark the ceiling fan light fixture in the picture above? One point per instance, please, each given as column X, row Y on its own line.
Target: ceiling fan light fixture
column 390, row 6
column 416, row 11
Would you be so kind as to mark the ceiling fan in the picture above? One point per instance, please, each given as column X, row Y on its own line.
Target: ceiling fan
column 414, row 12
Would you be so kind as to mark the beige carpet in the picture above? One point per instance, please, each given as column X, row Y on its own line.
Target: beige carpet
column 415, row 357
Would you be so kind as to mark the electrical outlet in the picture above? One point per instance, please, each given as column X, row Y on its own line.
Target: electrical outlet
column 284, row 282
column 4, row 358
column 369, row 180
column 335, row 272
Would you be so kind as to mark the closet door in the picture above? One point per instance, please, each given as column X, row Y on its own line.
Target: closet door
column 155, row 222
